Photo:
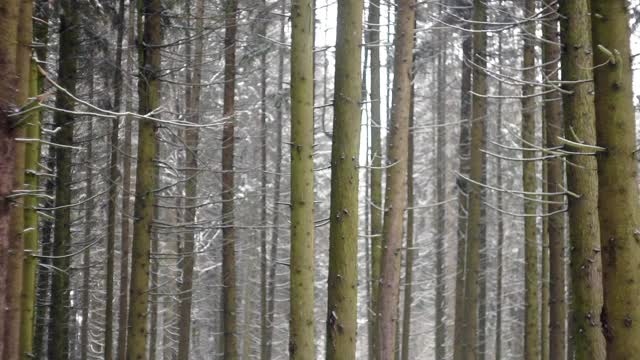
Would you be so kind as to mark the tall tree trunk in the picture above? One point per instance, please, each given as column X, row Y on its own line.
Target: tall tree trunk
column 343, row 231
column 375, row 206
column 584, row 237
column 31, row 224
column 532, row 315
column 267, row 346
column 15, row 258
column 618, row 173
column 149, row 26
column 474, row 226
column 500, row 221
column 554, row 181
column 302, row 337
column 40, row 34
column 9, row 12
column 228, row 230
column 67, row 78
column 264, row 68
column 463, row 198
column 440, row 218
column 114, row 178
column 191, row 191
column 396, row 184
column 408, row 286
column 86, row 256
column 125, row 241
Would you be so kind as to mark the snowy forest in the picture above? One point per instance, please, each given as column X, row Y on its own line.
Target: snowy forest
column 308, row 179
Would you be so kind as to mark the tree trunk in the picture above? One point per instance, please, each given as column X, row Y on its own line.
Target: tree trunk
column 440, row 210
column 67, row 78
column 474, row 226
column 529, row 186
column 149, row 25
column 463, row 198
column 343, row 231
column 114, row 178
column 554, row 180
column 264, row 68
column 408, row 286
column 396, row 184
column 228, row 191
column 125, row 241
column 500, row 221
column 618, row 174
column 191, row 191
column 9, row 12
column 375, row 207
column 15, row 258
column 86, row 256
column 267, row 346
column 579, row 116
column 302, row 337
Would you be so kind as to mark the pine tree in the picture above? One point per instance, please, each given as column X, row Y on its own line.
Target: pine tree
column 149, row 27
column 343, row 229
column 396, row 181
column 584, row 237
column 302, row 338
column 617, row 171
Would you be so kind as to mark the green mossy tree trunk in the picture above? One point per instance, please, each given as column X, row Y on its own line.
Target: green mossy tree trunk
column 302, row 335
column 343, row 228
column 149, row 29
column 529, row 186
column 396, row 181
column 58, row 348
column 554, row 182
column 618, row 175
column 584, row 237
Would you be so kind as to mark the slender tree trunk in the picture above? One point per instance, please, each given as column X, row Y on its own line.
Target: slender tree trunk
column 618, row 173
column 191, row 191
column 478, row 114
column 125, row 243
column 441, row 177
column 343, row 232
column 554, row 181
column 86, row 256
column 408, row 286
column 114, row 178
column 9, row 12
column 266, row 349
column 41, row 32
column 264, row 68
column 579, row 116
column 396, row 184
column 67, row 77
column 228, row 191
column 15, row 256
column 31, row 224
column 149, row 25
column 500, row 222
column 302, row 337
column 463, row 198
column 375, row 206
column 532, row 315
